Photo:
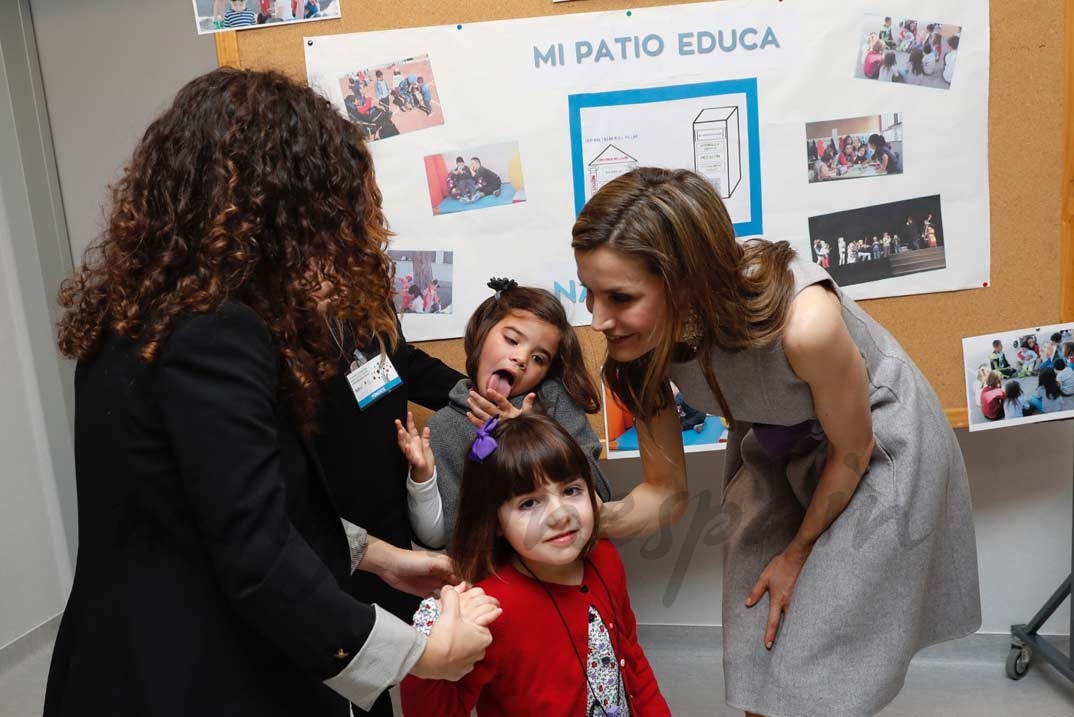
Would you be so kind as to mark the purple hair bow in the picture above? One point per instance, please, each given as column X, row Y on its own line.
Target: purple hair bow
column 484, row 444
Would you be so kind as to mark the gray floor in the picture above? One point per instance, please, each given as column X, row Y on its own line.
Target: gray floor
column 962, row 678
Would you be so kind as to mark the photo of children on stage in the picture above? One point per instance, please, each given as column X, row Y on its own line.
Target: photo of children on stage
column 1021, row 376
column 700, row 431
column 913, row 52
column 475, row 178
column 392, row 99
column 854, row 147
column 884, row 241
column 423, row 281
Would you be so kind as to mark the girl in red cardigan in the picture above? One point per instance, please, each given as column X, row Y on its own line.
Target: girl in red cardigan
column 527, row 533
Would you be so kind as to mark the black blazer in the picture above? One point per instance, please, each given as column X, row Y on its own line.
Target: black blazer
column 210, row 555
column 366, row 470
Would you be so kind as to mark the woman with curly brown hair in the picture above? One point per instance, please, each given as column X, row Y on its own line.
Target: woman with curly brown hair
column 211, row 560
column 850, row 544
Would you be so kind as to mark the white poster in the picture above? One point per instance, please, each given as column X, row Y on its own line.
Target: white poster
column 858, row 136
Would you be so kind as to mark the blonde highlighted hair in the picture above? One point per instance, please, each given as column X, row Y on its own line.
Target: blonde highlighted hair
column 675, row 223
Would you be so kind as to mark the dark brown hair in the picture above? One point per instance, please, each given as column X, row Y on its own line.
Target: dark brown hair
column 531, row 449
column 568, row 365
column 249, row 187
column 675, row 223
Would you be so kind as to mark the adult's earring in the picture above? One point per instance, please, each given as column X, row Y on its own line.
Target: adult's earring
column 691, row 330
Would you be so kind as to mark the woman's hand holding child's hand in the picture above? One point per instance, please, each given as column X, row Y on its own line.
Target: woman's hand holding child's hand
column 475, row 606
column 455, row 643
column 416, row 448
column 482, row 409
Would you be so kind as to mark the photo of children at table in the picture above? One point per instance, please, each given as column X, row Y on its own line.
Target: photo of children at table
column 906, row 50
column 1018, row 375
column 854, row 147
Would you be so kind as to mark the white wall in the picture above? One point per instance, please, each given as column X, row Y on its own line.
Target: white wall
column 1022, row 487
column 110, row 68
column 34, row 561
column 35, row 434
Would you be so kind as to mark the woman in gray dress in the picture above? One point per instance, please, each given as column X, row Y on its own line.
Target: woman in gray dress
column 854, row 545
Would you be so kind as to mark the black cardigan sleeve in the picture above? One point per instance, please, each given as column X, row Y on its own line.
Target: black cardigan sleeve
column 431, row 380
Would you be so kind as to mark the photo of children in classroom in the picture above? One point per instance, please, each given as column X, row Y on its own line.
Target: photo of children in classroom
column 423, row 281
column 884, row 241
column 854, row 147
column 222, row 15
column 700, row 431
column 1020, row 376
column 392, row 99
column 914, row 52
column 475, row 178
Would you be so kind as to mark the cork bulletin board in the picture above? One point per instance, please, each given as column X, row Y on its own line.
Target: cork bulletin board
column 1031, row 170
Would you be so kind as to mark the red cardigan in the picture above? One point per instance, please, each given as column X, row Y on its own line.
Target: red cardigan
column 530, row 669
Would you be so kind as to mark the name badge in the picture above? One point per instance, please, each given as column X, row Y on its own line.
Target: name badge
column 372, row 379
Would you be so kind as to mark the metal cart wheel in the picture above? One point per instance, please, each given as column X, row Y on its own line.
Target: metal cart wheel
column 1018, row 661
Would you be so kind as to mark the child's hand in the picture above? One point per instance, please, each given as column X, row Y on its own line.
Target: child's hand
column 416, row 448
column 482, row 409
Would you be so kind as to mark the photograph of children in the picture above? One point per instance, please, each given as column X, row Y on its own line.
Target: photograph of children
column 394, row 98
column 1020, row 376
column 475, row 178
column 884, row 241
column 221, row 15
column 915, row 52
column 700, row 431
column 423, row 281
column 854, row 147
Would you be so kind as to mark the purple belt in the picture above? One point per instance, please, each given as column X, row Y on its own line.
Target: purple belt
column 778, row 441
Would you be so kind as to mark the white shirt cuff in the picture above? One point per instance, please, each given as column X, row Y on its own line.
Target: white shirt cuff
column 388, row 655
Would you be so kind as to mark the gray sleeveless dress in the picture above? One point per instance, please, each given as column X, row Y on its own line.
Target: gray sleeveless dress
column 895, row 572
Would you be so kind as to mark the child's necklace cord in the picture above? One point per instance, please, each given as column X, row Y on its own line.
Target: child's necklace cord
column 612, row 711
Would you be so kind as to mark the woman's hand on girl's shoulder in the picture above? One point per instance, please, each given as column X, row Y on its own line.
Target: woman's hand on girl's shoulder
column 482, row 409
column 416, row 572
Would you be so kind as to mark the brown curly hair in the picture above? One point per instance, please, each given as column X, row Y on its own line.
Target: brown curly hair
column 252, row 188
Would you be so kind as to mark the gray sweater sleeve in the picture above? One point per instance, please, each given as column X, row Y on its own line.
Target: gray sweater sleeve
column 451, row 434
column 561, row 407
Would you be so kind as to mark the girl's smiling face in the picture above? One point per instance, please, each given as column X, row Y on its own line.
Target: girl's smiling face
column 549, row 527
column 516, row 355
